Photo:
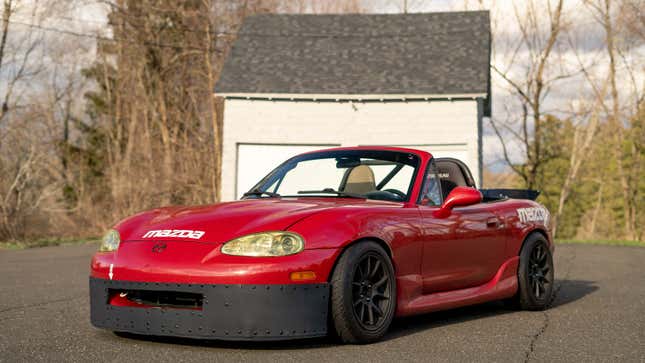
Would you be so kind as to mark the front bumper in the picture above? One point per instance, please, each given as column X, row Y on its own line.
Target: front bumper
column 228, row 312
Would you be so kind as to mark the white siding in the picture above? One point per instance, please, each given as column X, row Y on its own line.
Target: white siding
column 448, row 127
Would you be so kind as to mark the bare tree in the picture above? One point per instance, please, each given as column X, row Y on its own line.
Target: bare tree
column 18, row 161
column 583, row 139
column 604, row 11
column 530, row 87
column 6, row 16
column 16, row 67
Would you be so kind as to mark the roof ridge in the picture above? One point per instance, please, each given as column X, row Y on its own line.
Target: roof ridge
column 437, row 13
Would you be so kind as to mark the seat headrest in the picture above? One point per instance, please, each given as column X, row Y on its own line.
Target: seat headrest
column 452, row 172
column 360, row 180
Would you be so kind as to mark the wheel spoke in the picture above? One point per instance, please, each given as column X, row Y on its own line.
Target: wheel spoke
column 362, row 313
column 377, row 309
column 537, row 289
column 368, row 273
column 381, row 296
column 377, row 265
column 370, row 314
column 357, row 302
column 381, row 281
column 543, row 256
column 360, row 270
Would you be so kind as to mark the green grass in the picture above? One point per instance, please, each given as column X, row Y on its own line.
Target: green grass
column 44, row 242
column 601, row 242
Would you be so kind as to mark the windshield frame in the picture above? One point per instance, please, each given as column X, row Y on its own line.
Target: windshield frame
column 403, row 157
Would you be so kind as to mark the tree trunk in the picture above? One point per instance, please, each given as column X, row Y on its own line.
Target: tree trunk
column 578, row 155
column 6, row 15
column 216, row 182
column 619, row 136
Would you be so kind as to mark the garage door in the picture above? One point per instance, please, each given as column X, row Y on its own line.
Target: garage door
column 255, row 161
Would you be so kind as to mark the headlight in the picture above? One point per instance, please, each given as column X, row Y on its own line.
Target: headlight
column 110, row 241
column 265, row 244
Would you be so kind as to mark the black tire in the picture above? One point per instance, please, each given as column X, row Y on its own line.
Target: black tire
column 363, row 294
column 535, row 275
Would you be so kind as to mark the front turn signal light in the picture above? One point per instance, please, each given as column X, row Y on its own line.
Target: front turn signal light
column 303, row 276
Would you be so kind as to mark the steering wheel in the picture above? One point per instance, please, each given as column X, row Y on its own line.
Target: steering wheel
column 396, row 192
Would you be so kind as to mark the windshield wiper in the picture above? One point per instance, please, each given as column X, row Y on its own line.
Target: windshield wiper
column 332, row 191
column 259, row 193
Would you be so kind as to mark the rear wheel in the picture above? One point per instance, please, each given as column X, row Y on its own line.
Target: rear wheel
column 535, row 275
column 363, row 293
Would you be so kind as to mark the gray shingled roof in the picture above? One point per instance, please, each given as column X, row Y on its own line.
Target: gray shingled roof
column 361, row 54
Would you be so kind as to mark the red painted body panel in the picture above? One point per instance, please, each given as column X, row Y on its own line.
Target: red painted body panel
column 466, row 256
column 461, row 249
column 225, row 221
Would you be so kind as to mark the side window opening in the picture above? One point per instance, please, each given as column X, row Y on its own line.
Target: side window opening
column 431, row 190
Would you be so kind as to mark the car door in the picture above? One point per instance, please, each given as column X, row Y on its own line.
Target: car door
column 462, row 250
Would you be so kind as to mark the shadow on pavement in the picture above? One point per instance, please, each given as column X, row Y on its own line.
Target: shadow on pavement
column 567, row 291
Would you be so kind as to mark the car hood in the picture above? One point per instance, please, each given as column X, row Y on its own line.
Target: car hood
column 225, row 221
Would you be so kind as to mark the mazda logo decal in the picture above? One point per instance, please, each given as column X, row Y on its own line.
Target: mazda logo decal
column 159, row 247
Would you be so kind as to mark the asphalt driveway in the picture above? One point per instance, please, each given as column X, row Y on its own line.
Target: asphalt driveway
column 598, row 315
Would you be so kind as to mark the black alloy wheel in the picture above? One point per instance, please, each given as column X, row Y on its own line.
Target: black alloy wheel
column 371, row 291
column 363, row 293
column 539, row 271
column 535, row 275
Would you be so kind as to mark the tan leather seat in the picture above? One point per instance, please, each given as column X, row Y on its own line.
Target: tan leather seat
column 360, row 180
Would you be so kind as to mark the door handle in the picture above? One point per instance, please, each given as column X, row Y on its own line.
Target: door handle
column 492, row 222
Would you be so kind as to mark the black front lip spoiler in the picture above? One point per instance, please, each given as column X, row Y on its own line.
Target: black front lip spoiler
column 229, row 312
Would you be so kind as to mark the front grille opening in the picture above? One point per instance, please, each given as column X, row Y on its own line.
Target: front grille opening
column 161, row 299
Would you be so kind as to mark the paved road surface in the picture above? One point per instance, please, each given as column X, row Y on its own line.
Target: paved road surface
column 598, row 315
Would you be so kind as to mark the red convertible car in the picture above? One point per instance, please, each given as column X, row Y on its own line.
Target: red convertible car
column 335, row 241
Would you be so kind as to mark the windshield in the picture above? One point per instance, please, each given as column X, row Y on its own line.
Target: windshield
column 371, row 174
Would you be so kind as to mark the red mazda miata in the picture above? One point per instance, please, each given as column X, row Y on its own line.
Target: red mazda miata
column 333, row 241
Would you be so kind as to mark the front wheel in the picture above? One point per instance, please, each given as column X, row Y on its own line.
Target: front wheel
column 535, row 274
column 363, row 294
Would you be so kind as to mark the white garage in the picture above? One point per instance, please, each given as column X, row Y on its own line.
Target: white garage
column 297, row 83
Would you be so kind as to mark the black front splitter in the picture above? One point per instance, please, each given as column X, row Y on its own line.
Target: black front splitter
column 229, row 312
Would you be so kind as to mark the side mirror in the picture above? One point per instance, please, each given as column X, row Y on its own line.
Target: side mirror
column 458, row 197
